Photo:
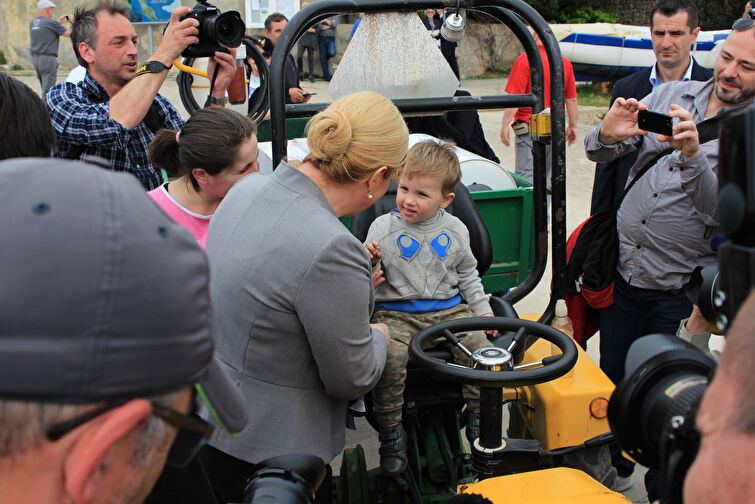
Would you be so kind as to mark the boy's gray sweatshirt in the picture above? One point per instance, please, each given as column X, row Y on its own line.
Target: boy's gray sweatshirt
column 431, row 259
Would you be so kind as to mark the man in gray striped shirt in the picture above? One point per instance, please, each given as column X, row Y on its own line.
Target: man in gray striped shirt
column 666, row 222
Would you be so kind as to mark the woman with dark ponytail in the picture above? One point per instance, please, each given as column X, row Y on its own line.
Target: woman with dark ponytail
column 215, row 148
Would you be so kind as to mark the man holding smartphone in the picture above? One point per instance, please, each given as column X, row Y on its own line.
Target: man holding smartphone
column 275, row 23
column 673, row 30
column 666, row 222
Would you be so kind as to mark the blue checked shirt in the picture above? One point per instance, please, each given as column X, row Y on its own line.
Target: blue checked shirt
column 79, row 120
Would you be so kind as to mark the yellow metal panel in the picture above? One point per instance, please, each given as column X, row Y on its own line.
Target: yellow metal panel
column 559, row 411
column 540, row 125
column 558, row 485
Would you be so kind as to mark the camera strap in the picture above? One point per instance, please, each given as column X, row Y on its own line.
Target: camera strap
column 152, row 120
column 707, row 130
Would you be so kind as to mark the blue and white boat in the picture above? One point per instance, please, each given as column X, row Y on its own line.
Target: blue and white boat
column 607, row 52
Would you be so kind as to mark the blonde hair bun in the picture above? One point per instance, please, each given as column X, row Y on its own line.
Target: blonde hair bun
column 356, row 135
column 329, row 135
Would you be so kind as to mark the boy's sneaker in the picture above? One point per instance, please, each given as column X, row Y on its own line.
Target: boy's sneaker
column 392, row 450
column 473, row 426
column 622, row 483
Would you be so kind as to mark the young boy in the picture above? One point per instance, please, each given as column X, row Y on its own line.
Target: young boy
column 428, row 269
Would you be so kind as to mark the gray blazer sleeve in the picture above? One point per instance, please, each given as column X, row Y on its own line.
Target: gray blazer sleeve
column 350, row 355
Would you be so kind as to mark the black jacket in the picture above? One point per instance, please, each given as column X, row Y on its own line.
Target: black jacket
column 610, row 178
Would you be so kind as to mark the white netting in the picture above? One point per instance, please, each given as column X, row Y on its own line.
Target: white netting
column 394, row 55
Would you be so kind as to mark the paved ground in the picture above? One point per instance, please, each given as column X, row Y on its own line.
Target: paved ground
column 579, row 190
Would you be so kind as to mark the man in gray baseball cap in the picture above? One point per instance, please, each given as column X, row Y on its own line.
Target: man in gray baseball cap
column 105, row 341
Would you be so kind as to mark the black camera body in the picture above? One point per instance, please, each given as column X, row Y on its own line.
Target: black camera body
column 215, row 28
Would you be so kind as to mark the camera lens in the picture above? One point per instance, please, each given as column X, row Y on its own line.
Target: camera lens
column 665, row 379
column 228, row 29
column 287, row 479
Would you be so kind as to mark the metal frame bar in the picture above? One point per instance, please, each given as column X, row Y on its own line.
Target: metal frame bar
column 508, row 12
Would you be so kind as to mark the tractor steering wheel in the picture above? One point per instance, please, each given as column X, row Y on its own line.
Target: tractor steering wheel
column 510, row 376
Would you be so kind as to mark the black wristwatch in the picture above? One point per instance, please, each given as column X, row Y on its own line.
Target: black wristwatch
column 152, row 67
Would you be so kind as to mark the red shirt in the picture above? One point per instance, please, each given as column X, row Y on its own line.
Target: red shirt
column 519, row 81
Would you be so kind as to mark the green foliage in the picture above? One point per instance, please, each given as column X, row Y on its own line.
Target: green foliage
column 574, row 11
column 499, row 69
column 587, row 14
column 3, row 61
column 593, row 95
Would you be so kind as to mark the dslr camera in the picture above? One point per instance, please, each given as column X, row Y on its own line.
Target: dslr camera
column 286, row 479
column 215, row 28
column 652, row 411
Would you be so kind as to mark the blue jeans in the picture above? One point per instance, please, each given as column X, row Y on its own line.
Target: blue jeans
column 327, row 51
column 635, row 313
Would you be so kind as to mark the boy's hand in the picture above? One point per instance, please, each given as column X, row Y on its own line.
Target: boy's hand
column 491, row 333
column 383, row 329
column 377, row 277
column 373, row 248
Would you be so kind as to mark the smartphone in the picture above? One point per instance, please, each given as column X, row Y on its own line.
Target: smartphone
column 655, row 122
column 309, row 94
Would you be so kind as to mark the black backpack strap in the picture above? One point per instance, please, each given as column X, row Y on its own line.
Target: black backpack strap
column 707, row 130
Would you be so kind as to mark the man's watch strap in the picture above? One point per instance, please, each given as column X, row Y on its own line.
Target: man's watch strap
column 211, row 100
column 152, row 67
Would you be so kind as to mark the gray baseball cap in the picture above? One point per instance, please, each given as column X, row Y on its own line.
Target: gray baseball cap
column 45, row 4
column 102, row 296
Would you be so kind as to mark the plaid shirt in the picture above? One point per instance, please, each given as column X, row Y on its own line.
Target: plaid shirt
column 81, row 116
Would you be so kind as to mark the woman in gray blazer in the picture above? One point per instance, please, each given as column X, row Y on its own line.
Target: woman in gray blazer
column 292, row 293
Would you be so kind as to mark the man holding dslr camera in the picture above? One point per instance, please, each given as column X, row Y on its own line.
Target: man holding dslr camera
column 116, row 110
column 723, row 470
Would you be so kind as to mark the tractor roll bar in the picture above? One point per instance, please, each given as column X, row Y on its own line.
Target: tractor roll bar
column 507, row 12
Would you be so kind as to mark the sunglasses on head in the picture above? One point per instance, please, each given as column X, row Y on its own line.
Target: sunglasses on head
column 744, row 23
column 193, row 432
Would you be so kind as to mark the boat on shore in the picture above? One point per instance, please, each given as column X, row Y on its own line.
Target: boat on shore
column 608, row 51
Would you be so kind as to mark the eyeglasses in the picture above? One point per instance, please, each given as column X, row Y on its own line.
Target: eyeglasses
column 742, row 24
column 193, row 432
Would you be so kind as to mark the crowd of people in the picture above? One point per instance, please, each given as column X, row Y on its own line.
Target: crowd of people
column 119, row 350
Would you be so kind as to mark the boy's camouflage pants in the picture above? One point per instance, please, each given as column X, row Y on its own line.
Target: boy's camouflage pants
column 388, row 394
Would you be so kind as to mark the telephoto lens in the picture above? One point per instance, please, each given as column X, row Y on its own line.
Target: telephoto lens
column 665, row 378
column 652, row 411
column 287, row 479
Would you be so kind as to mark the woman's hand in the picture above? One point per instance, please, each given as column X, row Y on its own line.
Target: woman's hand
column 383, row 329
column 373, row 249
column 620, row 122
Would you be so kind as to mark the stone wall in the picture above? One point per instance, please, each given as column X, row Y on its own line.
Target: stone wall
column 714, row 14
column 632, row 12
column 15, row 16
column 482, row 47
